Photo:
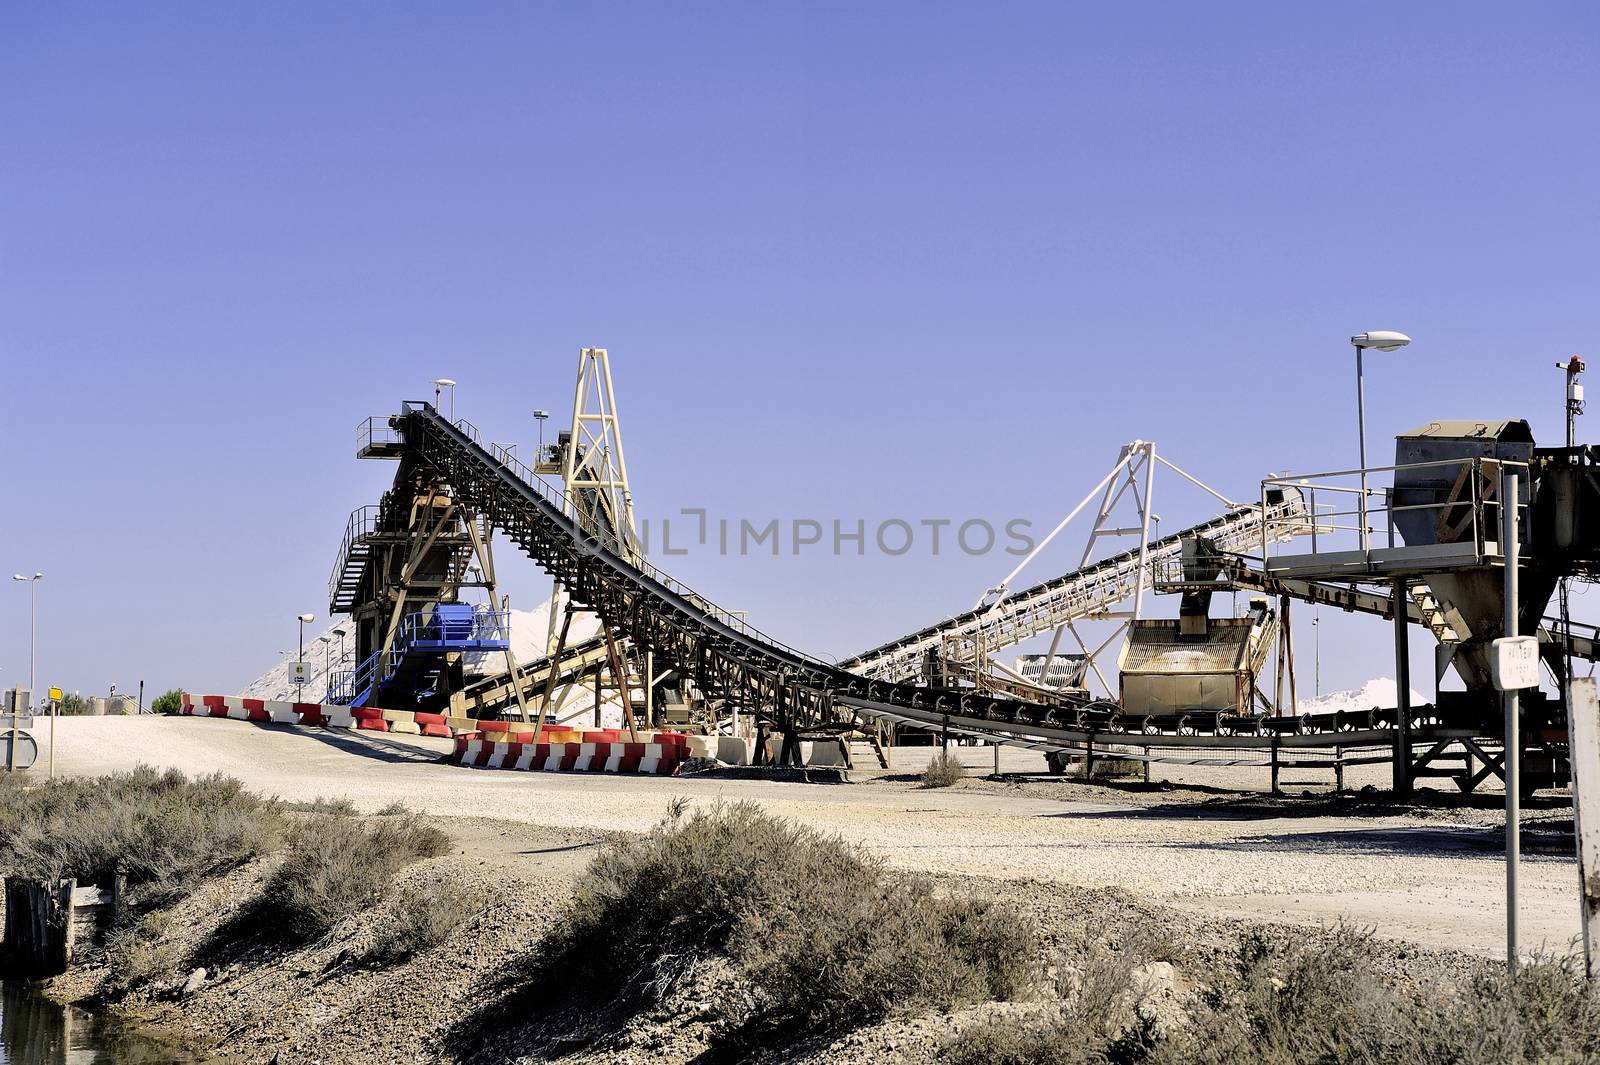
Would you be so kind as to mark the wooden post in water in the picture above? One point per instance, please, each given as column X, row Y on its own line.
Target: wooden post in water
column 39, row 933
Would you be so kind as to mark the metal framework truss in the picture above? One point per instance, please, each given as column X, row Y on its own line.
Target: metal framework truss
column 1002, row 619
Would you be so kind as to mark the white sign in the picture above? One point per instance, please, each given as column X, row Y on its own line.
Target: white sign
column 298, row 673
column 1514, row 663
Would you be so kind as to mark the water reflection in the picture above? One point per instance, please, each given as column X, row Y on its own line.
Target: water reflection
column 36, row 1031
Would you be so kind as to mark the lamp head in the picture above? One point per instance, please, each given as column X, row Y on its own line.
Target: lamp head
column 445, row 382
column 1381, row 339
column 308, row 617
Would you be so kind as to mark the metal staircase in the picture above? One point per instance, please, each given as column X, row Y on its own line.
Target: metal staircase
column 421, row 651
column 1432, row 614
column 350, row 564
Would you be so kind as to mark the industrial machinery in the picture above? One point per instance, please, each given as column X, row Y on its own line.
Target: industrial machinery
column 405, row 565
column 1188, row 684
column 1168, row 671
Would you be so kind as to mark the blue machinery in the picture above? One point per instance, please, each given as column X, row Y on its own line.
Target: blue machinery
column 422, row 654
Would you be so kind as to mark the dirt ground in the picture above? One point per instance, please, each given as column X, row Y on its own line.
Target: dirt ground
column 1430, row 872
column 324, row 1003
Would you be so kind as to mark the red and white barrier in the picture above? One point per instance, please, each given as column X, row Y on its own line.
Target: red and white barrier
column 276, row 711
column 487, row 744
column 662, row 756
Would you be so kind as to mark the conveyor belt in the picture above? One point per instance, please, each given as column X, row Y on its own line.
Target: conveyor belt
column 1082, row 593
column 790, row 690
column 499, row 692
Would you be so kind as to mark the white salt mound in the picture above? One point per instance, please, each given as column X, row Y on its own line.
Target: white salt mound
column 1380, row 691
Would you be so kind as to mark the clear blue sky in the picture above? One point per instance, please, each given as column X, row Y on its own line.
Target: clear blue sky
column 850, row 260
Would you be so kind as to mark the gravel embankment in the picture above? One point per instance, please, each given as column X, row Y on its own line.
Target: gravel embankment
column 1433, row 876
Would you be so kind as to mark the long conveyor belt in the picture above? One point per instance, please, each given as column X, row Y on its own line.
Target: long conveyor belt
column 790, row 690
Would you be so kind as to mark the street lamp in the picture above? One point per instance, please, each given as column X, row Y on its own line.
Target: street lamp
column 540, row 416
column 33, row 632
column 1316, row 641
column 1382, row 340
column 303, row 619
column 340, row 632
column 440, row 385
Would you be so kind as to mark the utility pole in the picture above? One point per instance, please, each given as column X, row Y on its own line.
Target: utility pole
column 1513, row 740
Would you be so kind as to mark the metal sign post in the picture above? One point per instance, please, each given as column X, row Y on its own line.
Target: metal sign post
column 1513, row 740
column 55, row 708
column 1583, row 725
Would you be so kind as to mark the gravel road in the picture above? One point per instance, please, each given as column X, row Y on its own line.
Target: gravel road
column 1425, row 879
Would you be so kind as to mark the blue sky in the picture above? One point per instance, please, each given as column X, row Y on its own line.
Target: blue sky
column 850, row 260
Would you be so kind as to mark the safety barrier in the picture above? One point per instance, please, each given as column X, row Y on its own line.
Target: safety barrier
column 327, row 715
column 597, row 751
column 489, row 744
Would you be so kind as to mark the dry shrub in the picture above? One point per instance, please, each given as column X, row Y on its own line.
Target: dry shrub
column 418, row 919
column 158, row 827
column 341, row 806
column 944, row 770
column 1544, row 1012
column 140, row 952
column 1307, row 1000
column 1095, row 1020
column 821, row 930
column 335, row 866
column 1297, row 1000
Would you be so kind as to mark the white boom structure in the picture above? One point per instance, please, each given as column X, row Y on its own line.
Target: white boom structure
column 1002, row 619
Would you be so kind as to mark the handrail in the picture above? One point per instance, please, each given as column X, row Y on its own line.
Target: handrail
column 376, row 430
column 363, row 520
column 1383, row 510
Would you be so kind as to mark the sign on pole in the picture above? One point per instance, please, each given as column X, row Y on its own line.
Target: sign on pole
column 1514, row 664
column 298, row 673
column 1583, row 745
column 55, row 693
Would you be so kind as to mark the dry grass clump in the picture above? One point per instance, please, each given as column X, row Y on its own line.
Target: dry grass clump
column 335, row 865
column 139, row 952
column 159, row 827
column 820, row 930
column 324, row 805
column 418, row 919
column 1299, row 1001
column 944, row 770
column 1097, row 1017
column 1319, row 1000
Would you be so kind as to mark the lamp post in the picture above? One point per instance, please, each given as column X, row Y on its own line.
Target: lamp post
column 303, row 619
column 1382, row 340
column 440, row 385
column 33, row 632
column 540, row 416
column 1316, row 642
column 327, row 685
